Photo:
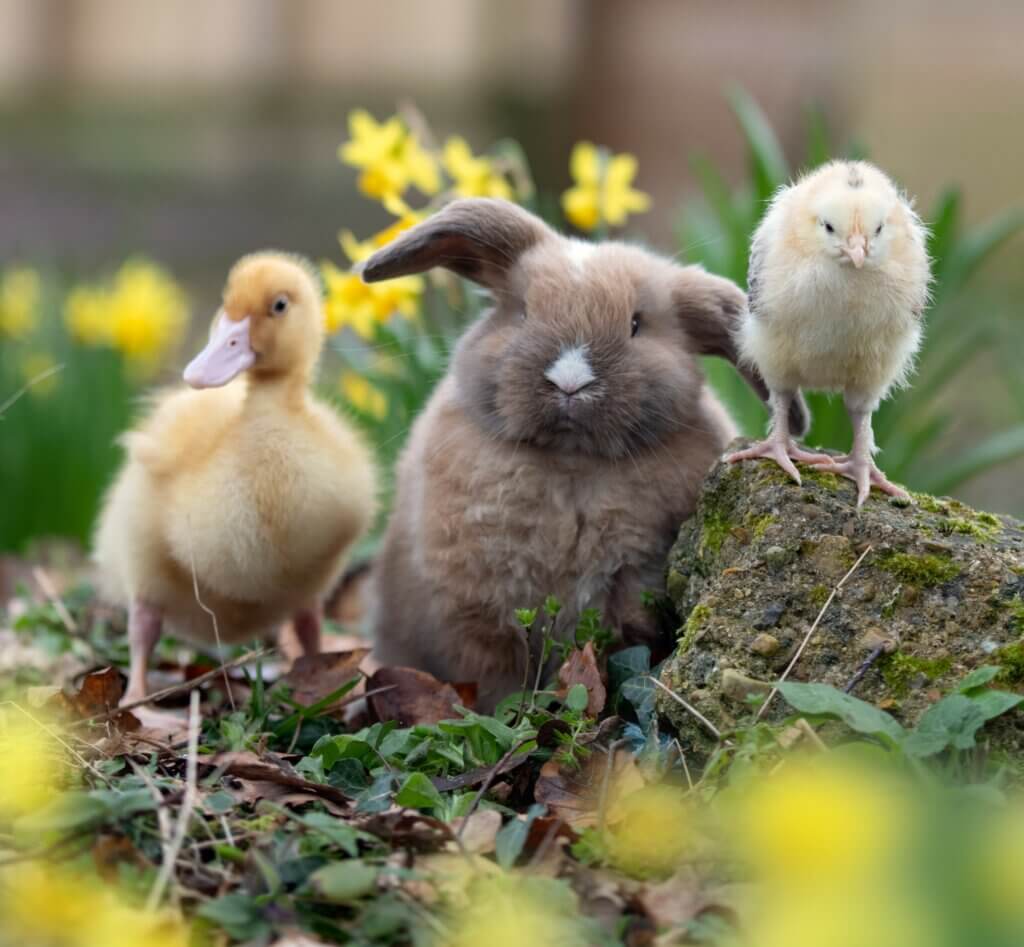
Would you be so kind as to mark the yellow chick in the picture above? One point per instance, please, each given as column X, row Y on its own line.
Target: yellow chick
column 838, row 283
column 254, row 490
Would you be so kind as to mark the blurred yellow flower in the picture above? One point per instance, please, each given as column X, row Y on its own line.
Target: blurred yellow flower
column 143, row 314
column 46, row 905
column 650, row 830
column 820, row 823
column 389, row 156
column 31, row 765
column 603, row 193
column 362, row 395
column 359, row 250
column 37, row 370
column 19, row 302
column 507, row 910
column 473, row 176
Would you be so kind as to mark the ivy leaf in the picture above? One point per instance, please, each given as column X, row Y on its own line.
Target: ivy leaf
column 577, row 698
column 509, row 842
column 238, row 914
column 955, row 720
column 344, row 881
column 418, row 792
column 822, row 700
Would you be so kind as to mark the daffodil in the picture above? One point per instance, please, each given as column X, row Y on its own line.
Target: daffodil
column 389, row 156
column 603, row 191
column 649, row 831
column 31, row 765
column 473, row 176
column 19, row 302
column 143, row 314
column 362, row 395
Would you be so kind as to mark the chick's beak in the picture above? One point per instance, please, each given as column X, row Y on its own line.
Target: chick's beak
column 227, row 354
column 856, row 249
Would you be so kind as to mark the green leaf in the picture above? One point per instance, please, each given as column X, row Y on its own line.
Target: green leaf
column 942, row 229
column 997, row 449
column 509, row 842
column 974, row 248
column 71, row 812
column 238, row 914
column 577, row 698
column 954, row 721
column 344, row 881
column 418, row 792
column 822, row 700
column 978, row 678
column 768, row 163
column 333, row 829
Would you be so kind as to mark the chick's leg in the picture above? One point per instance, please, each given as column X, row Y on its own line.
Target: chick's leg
column 145, row 622
column 307, row 629
column 779, row 446
column 858, row 465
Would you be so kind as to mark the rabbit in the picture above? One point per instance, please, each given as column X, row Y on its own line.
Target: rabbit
column 561, row 452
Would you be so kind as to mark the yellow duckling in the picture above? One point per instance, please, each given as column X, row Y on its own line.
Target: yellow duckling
column 254, row 490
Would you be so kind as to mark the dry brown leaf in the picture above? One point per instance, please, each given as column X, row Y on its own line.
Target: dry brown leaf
column 109, row 852
column 412, row 697
column 314, row 676
column 248, row 766
column 675, row 901
column 98, row 694
column 574, row 795
column 581, row 668
column 478, row 832
column 253, row 791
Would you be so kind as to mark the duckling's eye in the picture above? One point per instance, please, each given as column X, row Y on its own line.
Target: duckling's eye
column 878, row 230
column 634, row 326
column 279, row 306
column 828, row 227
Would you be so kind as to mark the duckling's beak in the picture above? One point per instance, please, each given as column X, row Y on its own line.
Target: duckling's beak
column 227, row 354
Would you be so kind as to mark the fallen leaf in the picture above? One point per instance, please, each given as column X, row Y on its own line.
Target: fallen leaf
column 247, row 765
column 99, row 693
column 412, row 697
column 581, row 668
column 574, row 795
column 675, row 901
column 315, row 676
column 110, row 852
column 253, row 791
column 479, row 831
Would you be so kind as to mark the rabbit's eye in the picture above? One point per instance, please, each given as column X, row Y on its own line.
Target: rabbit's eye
column 634, row 326
column 279, row 306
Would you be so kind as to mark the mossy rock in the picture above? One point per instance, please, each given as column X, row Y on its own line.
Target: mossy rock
column 942, row 587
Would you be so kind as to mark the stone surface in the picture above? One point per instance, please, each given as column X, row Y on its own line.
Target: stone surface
column 942, row 591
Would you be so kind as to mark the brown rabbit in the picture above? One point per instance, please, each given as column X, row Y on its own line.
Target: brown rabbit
column 562, row 451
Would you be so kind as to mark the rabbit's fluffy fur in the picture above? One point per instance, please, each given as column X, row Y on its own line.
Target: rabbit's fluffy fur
column 255, row 488
column 562, row 451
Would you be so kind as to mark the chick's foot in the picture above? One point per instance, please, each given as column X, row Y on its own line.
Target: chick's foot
column 783, row 452
column 864, row 473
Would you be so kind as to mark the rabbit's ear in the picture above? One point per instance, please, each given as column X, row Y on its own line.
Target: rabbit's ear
column 711, row 309
column 477, row 238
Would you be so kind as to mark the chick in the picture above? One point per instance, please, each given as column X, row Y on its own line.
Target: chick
column 254, row 491
column 838, row 283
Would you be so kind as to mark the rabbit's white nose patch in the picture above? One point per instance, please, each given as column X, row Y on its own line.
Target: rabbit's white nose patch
column 571, row 371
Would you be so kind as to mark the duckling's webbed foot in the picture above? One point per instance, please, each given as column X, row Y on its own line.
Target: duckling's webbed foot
column 145, row 624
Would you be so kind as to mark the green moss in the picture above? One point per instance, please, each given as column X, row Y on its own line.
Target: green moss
column 930, row 504
column 819, row 595
column 758, row 525
column 696, row 620
column 899, row 669
column 675, row 585
column 924, row 569
column 715, row 529
column 1011, row 660
column 979, row 526
column 1017, row 614
column 824, row 479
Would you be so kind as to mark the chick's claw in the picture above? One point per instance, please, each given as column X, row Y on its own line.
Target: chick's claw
column 865, row 474
column 782, row 452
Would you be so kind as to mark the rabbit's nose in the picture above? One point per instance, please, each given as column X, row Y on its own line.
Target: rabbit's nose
column 571, row 371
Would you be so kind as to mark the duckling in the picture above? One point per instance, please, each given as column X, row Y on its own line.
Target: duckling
column 237, row 503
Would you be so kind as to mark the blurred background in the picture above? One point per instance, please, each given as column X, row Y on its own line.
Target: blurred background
column 189, row 133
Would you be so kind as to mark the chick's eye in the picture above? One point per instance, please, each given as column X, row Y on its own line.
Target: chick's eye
column 279, row 306
column 634, row 326
column 878, row 230
column 828, row 227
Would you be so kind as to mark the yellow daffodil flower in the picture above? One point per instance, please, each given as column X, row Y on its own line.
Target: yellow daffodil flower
column 31, row 765
column 143, row 314
column 19, row 302
column 360, row 306
column 473, row 176
column 603, row 191
column 389, row 156
column 362, row 395
column 650, row 831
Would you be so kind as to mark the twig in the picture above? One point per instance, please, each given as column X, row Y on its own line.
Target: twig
column 486, row 784
column 807, row 637
column 163, row 819
column 156, row 893
column 184, row 687
column 49, row 590
column 55, row 735
column 602, row 801
column 42, row 376
column 712, row 729
column 209, row 611
column 864, row 668
column 682, row 759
